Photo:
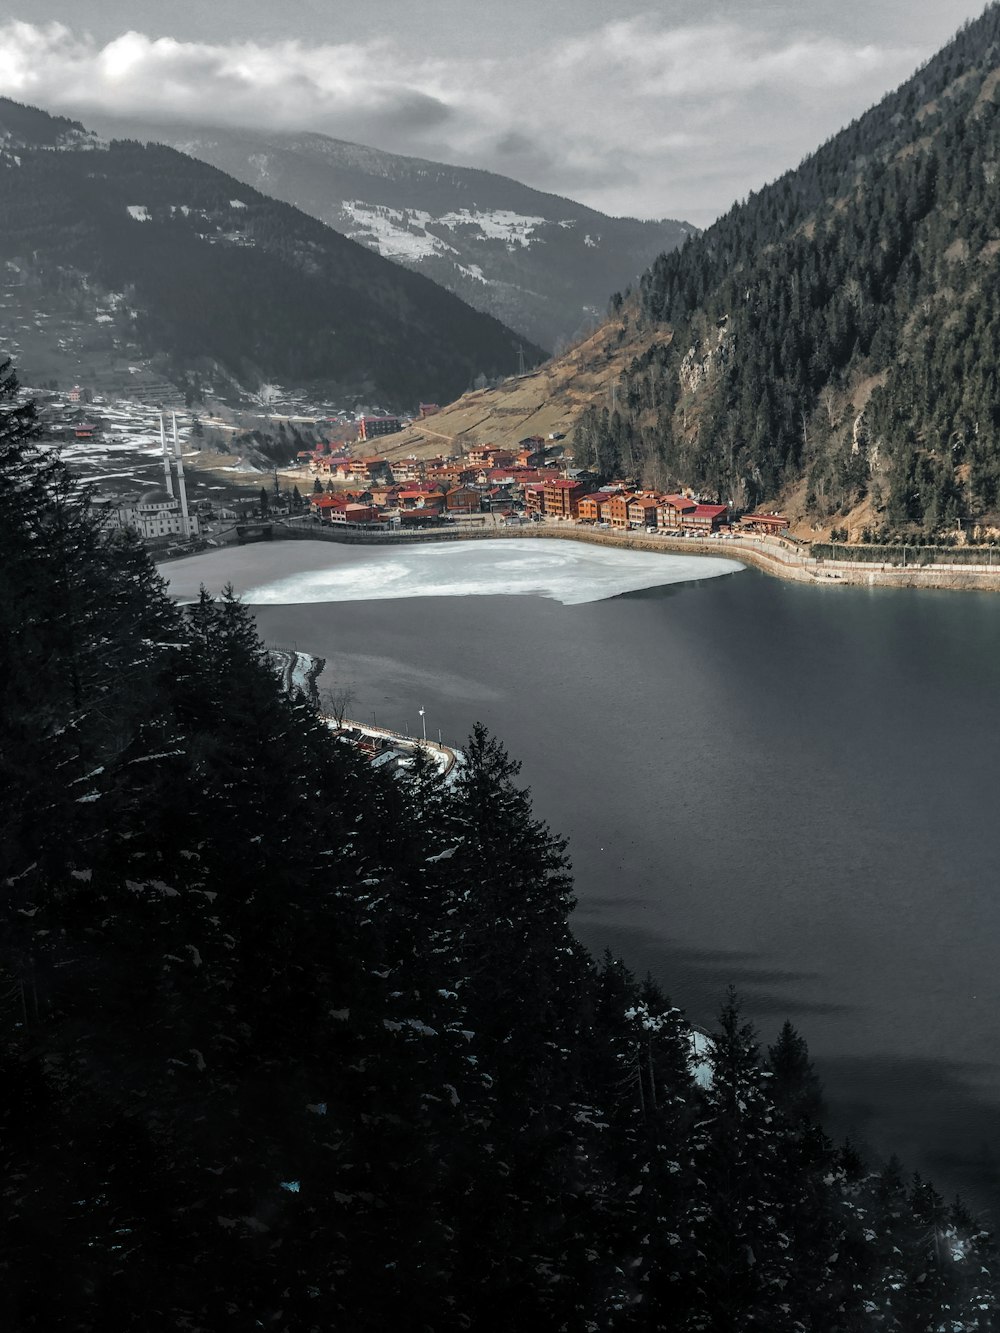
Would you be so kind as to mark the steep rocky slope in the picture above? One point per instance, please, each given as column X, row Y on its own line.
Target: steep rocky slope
column 836, row 336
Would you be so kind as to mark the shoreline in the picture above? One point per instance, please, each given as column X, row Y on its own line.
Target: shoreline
column 447, row 756
column 766, row 554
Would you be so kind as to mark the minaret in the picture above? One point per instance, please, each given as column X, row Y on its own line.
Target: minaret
column 182, row 489
column 166, row 459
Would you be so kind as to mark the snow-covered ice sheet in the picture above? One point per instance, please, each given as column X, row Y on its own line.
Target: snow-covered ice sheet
column 569, row 572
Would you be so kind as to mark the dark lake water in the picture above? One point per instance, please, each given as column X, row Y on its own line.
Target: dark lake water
column 790, row 788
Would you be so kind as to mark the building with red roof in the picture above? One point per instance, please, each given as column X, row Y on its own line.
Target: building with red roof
column 589, row 509
column 770, row 523
column 355, row 513
column 706, row 518
column 326, row 505
column 642, row 511
column 430, row 501
column 534, row 497
column 561, row 498
column 615, row 510
column 671, row 510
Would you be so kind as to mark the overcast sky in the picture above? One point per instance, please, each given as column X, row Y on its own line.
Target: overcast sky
column 650, row 109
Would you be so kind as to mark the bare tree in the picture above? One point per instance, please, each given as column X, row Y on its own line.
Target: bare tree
column 337, row 702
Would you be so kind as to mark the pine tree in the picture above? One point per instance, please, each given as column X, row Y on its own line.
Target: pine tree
column 794, row 1084
column 737, row 1219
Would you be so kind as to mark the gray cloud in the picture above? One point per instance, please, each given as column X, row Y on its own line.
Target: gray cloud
column 640, row 115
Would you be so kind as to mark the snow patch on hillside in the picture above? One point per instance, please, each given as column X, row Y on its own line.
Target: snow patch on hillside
column 395, row 233
column 473, row 271
column 403, row 233
column 515, row 229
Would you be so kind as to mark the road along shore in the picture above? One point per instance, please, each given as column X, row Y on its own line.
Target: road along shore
column 775, row 557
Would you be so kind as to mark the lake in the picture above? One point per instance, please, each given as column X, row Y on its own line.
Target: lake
column 787, row 787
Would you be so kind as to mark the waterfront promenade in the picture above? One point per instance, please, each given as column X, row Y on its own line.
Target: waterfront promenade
column 776, row 556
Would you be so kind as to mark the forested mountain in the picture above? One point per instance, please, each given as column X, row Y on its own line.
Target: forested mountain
column 289, row 1043
column 209, row 273
column 836, row 336
column 542, row 264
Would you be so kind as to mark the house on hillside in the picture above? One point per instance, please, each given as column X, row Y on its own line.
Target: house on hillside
column 371, row 428
column 407, row 469
column 489, row 455
column 531, row 452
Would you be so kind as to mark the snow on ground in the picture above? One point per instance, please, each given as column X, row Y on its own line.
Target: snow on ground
column 305, row 669
column 138, row 211
column 498, row 225
column 568, row 572
column 473, row 271
column 299, row 671
column 402, row 235
column 387, row 229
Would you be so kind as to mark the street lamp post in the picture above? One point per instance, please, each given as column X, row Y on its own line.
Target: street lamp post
column 423, row 723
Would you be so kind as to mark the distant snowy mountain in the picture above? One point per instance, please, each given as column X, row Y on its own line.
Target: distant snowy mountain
column 544, row 265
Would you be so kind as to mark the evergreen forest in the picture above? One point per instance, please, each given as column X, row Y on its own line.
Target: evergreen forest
column 836, row 336
column 290, row 1043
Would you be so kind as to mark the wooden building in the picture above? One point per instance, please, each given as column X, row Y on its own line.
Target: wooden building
column 462, row 500
column 642, row 511
column 671, row 510
column 767, row 523
column 706, row 518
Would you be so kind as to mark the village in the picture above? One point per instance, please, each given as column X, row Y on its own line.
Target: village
column 342, row 482
column 535, row 482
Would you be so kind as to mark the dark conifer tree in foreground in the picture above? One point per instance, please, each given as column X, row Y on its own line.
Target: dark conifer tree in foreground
column 290, row 1043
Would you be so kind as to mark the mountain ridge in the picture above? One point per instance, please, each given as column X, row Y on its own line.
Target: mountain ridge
column 543, row 264
column 191, row 266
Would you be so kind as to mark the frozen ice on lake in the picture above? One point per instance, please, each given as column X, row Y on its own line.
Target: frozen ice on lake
column 566, row 571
